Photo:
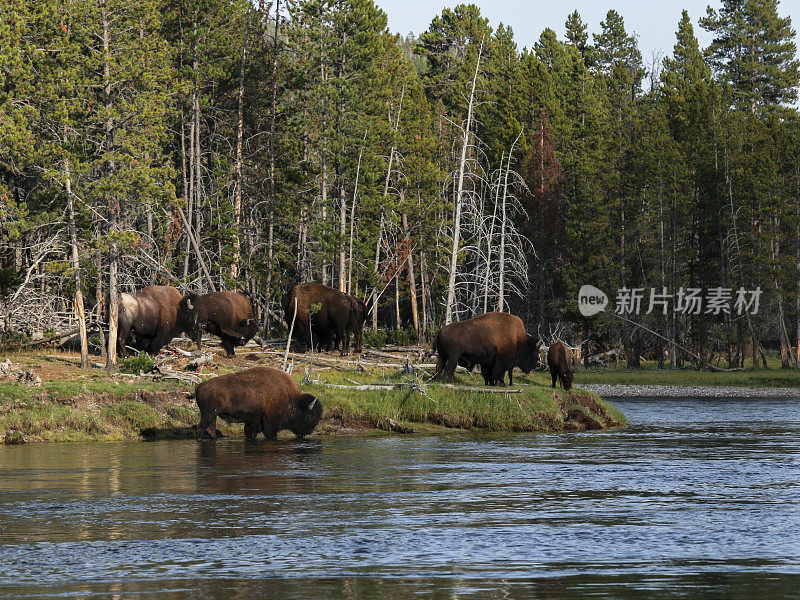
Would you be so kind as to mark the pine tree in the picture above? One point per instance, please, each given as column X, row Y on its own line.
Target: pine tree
column 754, row 52
column 579, row 38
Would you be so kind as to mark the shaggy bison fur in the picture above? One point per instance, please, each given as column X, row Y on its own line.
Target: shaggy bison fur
column 266, row 400
column 558, row 359
column 497, row 342
column 148, row 319
column 228, row 315
column 336, row 317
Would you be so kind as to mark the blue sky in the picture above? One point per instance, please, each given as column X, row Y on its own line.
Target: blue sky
column 654, row 21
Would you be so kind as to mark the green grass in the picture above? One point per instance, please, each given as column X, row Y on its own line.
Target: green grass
column 67, row 389
column 75, row 405
column 535, row 409
column 775, row 376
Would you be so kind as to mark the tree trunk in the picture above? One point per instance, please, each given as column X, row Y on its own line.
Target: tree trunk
column 412, row 284
column 424, row 294
column 451, row 284
column 490, row 241
column 237, row 197
column 112, row 203
column 502, row 265
column 272, row 121
column 377, row 270
column 76, row 270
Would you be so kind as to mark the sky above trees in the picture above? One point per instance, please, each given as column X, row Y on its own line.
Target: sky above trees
column 654, row 22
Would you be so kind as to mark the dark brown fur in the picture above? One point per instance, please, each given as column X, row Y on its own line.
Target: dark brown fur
column 148, row 319
column 228, row 315
column 338, row 317
column 266, row 400
column 497, row 342
column 558, row 359
column 355, row 326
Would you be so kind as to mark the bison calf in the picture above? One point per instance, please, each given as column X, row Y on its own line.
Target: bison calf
column 264, row 399
column 558, row 359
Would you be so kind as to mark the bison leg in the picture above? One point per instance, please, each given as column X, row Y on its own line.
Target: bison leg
column 251, row 429
column 450, row 368
column 227, row 345
column 487, row 376
column 498, row 375
column 554, row 376
column 439, row 367
column 207, row 426
column 345, row 336
column 269, row 430
column 511, row 376
column 158, row 342
column 122, row 338
column 357, row 341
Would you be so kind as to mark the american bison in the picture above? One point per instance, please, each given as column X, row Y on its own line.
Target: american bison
column 324, row 316
column 495, row 341
column 266, row 400
column 228, row 315
column 558, row 359
column 148, row 319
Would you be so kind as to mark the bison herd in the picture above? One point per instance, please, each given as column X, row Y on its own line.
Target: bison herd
column 267, row 400
column 150, row 318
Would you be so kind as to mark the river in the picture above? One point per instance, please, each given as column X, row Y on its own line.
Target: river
column 695, row 499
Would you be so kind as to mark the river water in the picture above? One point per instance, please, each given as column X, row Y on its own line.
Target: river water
column 695, row 499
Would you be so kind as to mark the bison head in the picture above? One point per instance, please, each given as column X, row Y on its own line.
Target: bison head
column 528, row 358
column 569, row 376
column 309, row 412
column 189, row 315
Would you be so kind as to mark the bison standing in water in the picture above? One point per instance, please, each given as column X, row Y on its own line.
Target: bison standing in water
column 148, row 319
column 337, row 316
column 266, row 400
column 228, row 315
column 558, row 359
column 497, row 342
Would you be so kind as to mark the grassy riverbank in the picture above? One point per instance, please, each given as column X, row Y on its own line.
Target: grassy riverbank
column 774, row 376
column 75, row 405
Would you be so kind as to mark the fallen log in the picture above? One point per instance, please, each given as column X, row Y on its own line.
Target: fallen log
column 368, row 386
column 481, row 390
column 199, row 361
column 459, row 368
column 334, row 362
column 178, row 375
column 58, row 336
column 74, row 361
column 385, row 355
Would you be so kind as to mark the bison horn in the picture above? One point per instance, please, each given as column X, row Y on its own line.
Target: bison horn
column 189, row 304
column 313, row 403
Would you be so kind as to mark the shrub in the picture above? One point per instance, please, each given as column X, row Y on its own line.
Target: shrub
column 141, row 363
column 395, row 337
column 374, row 339
column 403, row 337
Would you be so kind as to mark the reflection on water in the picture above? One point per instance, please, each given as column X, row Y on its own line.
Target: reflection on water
column 695, row 499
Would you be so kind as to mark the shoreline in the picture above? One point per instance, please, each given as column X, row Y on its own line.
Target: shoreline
column 70, row 404
column 625, row 390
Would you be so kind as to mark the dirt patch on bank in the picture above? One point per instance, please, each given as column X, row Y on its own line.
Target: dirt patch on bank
column 582, row 412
